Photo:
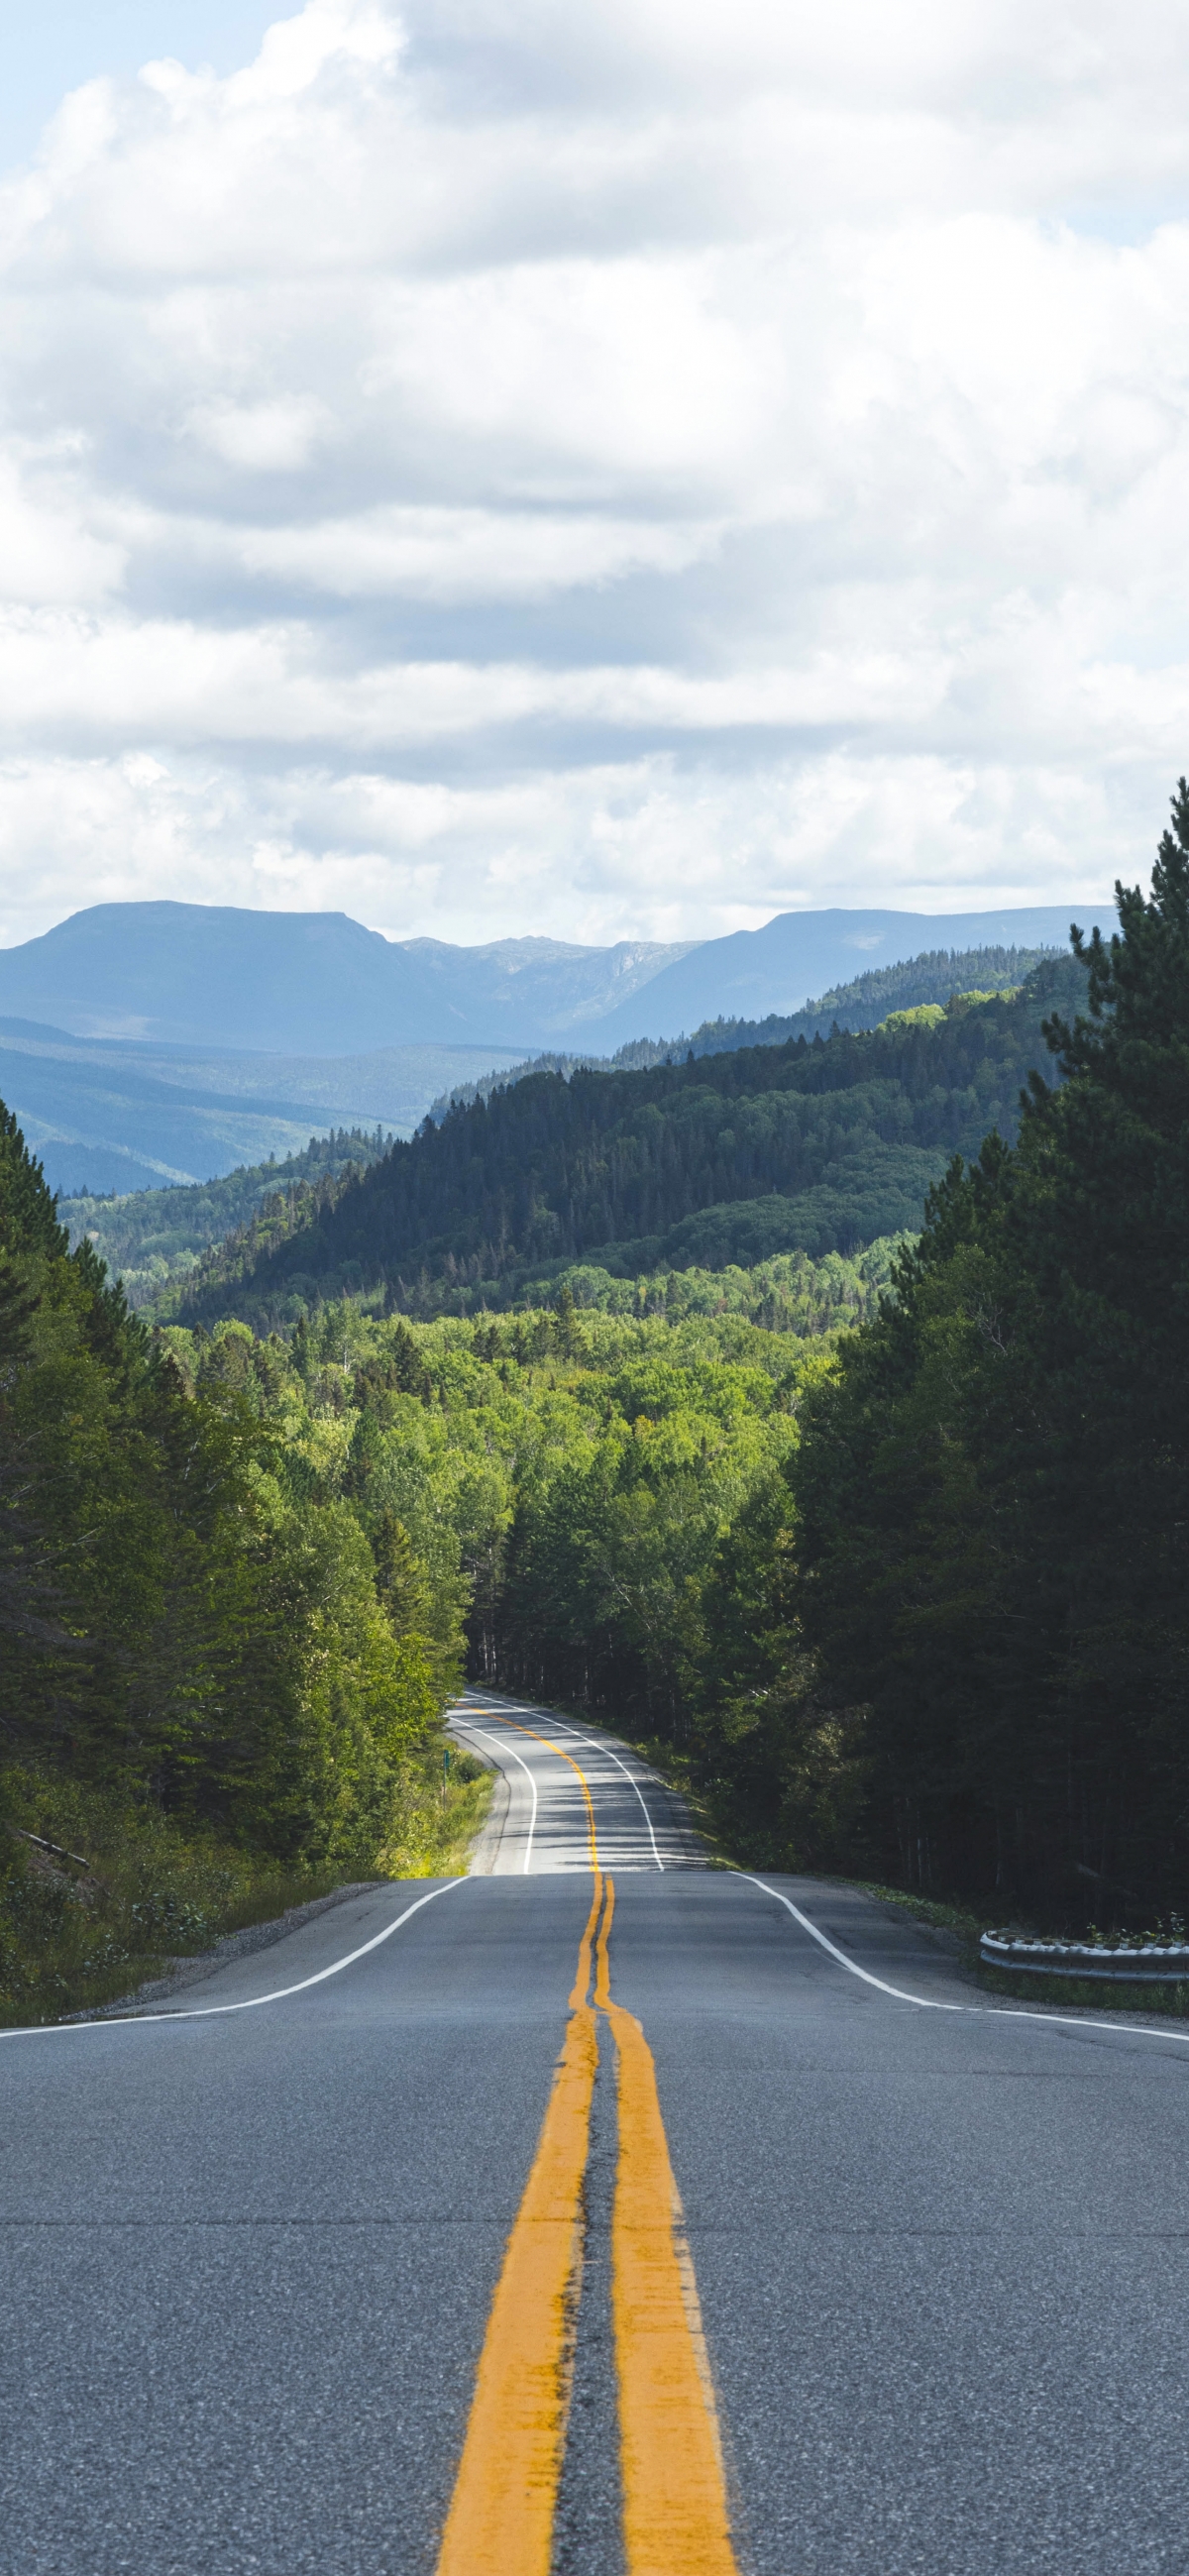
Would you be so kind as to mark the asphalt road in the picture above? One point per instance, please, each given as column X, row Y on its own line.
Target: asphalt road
column 539, row 1821
column 252, row 2256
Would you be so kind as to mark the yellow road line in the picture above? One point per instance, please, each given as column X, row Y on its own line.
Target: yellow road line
column 675, row 2505
column 584, row 1783
column 675, row 2517
column 501, row 2514
column 580, row 1990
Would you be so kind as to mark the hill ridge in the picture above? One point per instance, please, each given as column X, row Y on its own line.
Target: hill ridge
column 728, row 1159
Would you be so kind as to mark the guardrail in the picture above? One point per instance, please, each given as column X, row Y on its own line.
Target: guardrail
column 1149, row 1963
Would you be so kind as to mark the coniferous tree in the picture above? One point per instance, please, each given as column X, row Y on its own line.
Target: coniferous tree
column 994, row 1495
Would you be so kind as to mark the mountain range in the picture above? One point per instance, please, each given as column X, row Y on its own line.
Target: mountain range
column 308, row 983
column 756, row 972
column 319, row 984
column 146, row 1043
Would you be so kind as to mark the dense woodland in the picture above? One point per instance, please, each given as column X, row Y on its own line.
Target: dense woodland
column 730, row 1159
column 195, row 1623
column 992, row 1494
column 148, row 1238
column 885, row 1551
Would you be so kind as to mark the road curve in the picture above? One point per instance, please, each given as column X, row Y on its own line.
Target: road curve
column 539, row 1818
column 288, row 2281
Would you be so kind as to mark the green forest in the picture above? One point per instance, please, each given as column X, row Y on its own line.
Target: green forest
column 992, row 1494
column 216, row 1674
column 880, row 1546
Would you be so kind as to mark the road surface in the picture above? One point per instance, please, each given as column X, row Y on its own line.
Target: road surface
column 386, row 2275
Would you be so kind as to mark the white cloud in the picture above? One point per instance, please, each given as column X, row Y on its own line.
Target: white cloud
column 642, row 840
column 266, row 437
column 476, row 555
column 47, row 551
column 507, row 467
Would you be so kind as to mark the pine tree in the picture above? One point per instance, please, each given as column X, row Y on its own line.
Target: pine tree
column 400, row 1577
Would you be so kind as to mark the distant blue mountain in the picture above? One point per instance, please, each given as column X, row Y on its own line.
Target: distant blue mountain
column 778, row 968
column 147, row 1042
column 308, row 983
column 108, row 1114
column 113, row 1127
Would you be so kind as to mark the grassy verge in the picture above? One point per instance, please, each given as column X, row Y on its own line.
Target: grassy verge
column 439, row 1816
column 943, row 1917
column 78, row 1933
column 72, row 1938
column 1092, row 1994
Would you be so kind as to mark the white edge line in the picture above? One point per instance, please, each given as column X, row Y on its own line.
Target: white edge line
column 501, row 1747
column 929, row 2003
column 206, row 2012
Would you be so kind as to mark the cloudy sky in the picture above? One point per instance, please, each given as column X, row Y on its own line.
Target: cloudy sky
column 613, row 470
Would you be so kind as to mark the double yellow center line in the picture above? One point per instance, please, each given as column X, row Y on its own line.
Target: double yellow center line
column 675, row 2520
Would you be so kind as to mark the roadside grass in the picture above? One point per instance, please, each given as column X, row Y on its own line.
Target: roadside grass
column 1090, row 1994
column 940, row 1915
column 139, row 1892
column 440, row 1815
column 73, row 1938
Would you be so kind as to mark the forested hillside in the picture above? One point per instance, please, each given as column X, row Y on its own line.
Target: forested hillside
column 237, row 1575
column 149, row 1237
column 728, row 1160
column 866, row 1000
column 900, row 1580
column 923, row 1612
column 935, row 976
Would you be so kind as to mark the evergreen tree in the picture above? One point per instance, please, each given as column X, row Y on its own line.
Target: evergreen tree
column 994, row 1495
column 400, row 1577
